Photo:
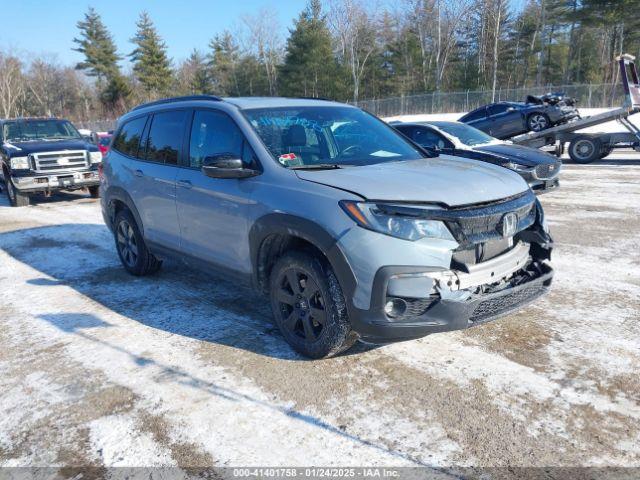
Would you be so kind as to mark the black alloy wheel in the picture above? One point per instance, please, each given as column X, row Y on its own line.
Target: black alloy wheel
column 302, row 305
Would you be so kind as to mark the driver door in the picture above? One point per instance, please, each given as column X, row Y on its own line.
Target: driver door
column 213, row 211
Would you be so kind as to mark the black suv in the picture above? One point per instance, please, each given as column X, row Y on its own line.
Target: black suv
column 42, row 155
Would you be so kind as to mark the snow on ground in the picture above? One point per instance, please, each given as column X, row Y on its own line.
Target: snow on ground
column 103, row 369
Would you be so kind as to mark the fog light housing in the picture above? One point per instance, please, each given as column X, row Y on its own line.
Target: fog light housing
column 395, row 307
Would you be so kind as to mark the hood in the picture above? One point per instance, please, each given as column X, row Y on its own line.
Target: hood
column 26, row 148
column 527, row 156
column 445, row 179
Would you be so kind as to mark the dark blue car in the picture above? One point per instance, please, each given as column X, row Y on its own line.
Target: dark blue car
column 507, row 119
column 539, row 169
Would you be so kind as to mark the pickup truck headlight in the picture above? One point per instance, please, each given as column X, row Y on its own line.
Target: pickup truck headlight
column 20, row 163
column 95, row 157
column 407, row 223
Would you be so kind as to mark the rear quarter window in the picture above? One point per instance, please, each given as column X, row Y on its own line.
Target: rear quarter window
column 128, row 139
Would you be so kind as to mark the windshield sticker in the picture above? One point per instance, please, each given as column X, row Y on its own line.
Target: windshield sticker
column 289, row 160
column 384, row 153
column 8, row 145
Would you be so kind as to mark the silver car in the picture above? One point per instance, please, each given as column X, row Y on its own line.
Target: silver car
column 352, row 231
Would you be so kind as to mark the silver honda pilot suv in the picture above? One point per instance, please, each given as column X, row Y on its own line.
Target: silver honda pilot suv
column 353, row 232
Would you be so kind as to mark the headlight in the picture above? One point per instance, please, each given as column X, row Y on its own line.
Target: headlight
column 400, row 222
column 96, row 157
column 517, row 167
column 20, row 163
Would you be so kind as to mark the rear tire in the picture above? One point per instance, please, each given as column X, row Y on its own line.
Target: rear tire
column 132, row 249
column 16, row 199
column 309, row 306
column 585, row 149
column 536, row 122
column 94, row 191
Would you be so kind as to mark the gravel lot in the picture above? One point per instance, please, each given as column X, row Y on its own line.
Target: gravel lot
column 98, row 368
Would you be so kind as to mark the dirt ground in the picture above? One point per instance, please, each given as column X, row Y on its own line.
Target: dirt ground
column 101, row 369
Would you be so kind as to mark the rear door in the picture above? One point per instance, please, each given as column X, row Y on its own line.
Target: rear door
column 213, row 211
column 506, row 121
column 478, row 118
column 154, row 190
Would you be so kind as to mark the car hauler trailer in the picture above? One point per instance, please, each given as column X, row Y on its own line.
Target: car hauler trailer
column 589, row 147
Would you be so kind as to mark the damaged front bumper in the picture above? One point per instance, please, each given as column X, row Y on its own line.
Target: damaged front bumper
column 455, row 299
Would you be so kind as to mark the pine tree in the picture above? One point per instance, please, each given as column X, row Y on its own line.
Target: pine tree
column 309, row 66
column 96, row 44
column 223, row 62
column 196, row 74
column 152, row 67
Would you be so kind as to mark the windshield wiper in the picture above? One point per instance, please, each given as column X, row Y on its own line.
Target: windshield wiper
column 317, row 166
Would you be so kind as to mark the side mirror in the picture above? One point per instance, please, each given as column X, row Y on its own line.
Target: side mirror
column 226, row 166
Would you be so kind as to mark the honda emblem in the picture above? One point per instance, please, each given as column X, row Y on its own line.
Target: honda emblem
column 509, row 224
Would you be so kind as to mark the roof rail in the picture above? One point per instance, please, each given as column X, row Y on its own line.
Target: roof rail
column 212, row 98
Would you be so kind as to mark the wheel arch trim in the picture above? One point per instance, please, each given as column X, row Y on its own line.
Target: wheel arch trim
column 316, row 235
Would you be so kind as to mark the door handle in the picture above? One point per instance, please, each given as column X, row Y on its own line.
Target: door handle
column 184, row 183
column 138, row 173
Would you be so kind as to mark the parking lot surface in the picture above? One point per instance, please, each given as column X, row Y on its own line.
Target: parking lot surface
column 99, row 368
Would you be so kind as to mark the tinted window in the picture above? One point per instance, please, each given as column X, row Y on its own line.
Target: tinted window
column 165, row 137
column 496, row 109
column 212, row 134
column 427, row 138
column 128, row 140
column 475, row 115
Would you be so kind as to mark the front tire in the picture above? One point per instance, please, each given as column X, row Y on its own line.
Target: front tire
column 132, row 249
column 16, row 199
column 309, row 306
column 536, row 122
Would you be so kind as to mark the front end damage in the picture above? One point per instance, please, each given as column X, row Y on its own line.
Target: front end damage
column 490, row 275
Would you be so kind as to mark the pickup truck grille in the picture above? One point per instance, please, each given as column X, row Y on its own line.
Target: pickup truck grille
column 547, row 171
column 64, row 161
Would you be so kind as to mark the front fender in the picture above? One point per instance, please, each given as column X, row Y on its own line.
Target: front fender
column 308, row 230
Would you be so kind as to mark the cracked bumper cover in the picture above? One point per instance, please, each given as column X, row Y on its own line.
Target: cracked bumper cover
column 456, row 299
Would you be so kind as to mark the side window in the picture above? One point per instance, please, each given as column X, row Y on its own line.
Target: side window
column 128, row 139
column 165, row 137
column 427, row 138
column 476, row 114
column 497, row 109
column 214, row 133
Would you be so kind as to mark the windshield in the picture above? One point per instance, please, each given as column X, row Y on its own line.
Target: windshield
column 26, row 130
column 308, row 136
column 468, row 135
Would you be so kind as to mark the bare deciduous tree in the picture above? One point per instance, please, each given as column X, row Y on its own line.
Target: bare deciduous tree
column 12, row 84
column 353, row 26
column 265, row 42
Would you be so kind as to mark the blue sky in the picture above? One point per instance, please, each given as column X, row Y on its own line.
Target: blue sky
column 39, row 26
column 48, row 27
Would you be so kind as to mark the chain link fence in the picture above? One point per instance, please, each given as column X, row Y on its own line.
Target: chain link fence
column 588, row 96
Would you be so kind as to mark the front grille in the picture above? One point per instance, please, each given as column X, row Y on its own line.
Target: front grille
column 64, row 161
column 492, row 307
column 481, row 252
column 478, row 224
column 547, row 171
